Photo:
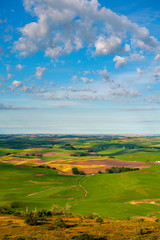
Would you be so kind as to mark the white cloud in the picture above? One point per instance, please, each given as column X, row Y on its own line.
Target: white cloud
column 9, row 76
column 157, row 58
column 75, row 79
column 136, row 57
column 87, row 80
column 86, row 72
column 156, row 73
column 8, row 68
column 149, row 88
column 120, row 61
column 27, row 89
column 39, row 72
column 17, row 84
column 108, row 46
column 127, row 47
column 126, row 93
column 65, row 26
column 105, row 75
column 19, row 67
column 140, row 71
column 6, row 106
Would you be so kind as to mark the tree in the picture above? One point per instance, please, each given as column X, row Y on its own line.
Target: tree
column 75, row 170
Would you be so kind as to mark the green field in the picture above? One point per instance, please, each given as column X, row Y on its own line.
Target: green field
column 107, row 194
column 113, row 195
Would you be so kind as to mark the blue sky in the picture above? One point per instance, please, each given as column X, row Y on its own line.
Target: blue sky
column 80, row 66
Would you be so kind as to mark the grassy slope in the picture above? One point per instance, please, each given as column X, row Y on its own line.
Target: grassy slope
column 16, row 183
column 140, row 155
column 106, row 194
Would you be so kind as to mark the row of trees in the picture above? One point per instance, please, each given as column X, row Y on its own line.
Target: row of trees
column 120, row 169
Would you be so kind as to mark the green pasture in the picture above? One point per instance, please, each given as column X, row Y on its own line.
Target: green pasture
column 107, row 194
column 140, row 154
column 17, row 183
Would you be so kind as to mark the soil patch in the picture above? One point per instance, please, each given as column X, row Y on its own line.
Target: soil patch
column 45, row 154
column 107, row 163
column 149, row 201
column 145, row 218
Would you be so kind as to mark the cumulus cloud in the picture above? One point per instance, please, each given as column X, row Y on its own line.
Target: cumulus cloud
column 8, row 68
column 157, row 57
column 156, row 73
column 27, row 89
column 155, row 98
column 65, row 26
column 120, row 61
column 126, row 93
column 9, row 76
column 105, row 75
column 17, row 84
column 136, row 57
column 19, row 67
column 71, row 89
column 87, row 80
column 39, row 72
column 140, row 71
column 86, row 72
column 108, row 46
column 75, row 79
column 127, row 47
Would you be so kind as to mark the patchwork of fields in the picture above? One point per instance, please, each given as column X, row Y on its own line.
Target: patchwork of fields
column 36, row 173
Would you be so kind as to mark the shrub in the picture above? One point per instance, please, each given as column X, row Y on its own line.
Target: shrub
column 17, row 213
column 82, row 173
column 6, row 210
column 20, row 238
column 90, row 216
column 83, row 236
column 42, row 214
column 15, row 205
column 60, row 223
column 52, row 227
column 6, row 236
column 99, row 220
column 86, row 236
column 31, row 220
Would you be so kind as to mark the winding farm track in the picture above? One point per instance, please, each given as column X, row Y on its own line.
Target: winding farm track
column 85, row 191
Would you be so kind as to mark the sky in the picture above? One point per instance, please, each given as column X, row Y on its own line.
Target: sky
column 79, row 67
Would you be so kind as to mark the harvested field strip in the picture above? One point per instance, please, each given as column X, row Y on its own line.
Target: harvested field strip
column 49, row 190
column 111, row 163
column 148, row 201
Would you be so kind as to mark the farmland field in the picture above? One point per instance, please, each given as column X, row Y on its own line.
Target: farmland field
column 36, row 172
